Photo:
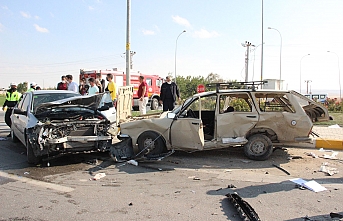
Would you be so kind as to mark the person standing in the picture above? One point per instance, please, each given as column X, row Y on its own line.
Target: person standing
column 72, row 86
column 101, row 83
column 63, row 85
column 111, row 87
column 32, row 87
column 93, row 89
column 142, row 95
column 12, row 98
column 169, row 92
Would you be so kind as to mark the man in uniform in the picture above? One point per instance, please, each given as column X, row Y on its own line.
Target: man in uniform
column 12, row 98
column 32, row 87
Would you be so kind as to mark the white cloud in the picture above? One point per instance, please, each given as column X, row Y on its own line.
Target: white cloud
column 203, row 33
column 181, row 21
column 36, row 17
column 40, row 29
column 1, row 27
column 90, row 8
column 25, row 14
column 148, row 32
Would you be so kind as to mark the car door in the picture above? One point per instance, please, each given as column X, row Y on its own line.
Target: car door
column 235, row 118
column 187, row 130
column 20, row 117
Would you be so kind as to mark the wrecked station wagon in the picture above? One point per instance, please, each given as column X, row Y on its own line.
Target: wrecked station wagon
column 257, row 120
column 51, row 123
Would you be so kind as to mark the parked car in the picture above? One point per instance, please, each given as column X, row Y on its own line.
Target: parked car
column 254, row 119
column 51, row 123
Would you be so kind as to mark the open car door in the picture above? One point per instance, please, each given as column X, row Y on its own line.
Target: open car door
column 124, row 103
column 314, row 110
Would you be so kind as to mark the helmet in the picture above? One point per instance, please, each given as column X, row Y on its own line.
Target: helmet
column 13, row 84
column 33, row 84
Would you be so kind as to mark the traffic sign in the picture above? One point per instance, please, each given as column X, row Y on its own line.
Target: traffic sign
column 201, row 88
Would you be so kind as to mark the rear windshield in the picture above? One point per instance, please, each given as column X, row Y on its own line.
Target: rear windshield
column 45, row 98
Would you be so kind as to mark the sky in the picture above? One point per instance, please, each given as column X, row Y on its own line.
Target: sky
column 42, row 40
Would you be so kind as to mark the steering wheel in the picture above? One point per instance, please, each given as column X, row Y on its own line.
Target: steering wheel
column 190, row 113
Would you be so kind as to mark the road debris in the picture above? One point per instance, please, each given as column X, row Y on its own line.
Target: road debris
column 246, row 212
column 245, row 161
column 132, row 162
column 336, row 215
column 328, row 170
column 3, row 138
column 311, row 185
column 282, row 169
column 98, row 176
column 130, row 204
column 332, row 156
column 231, row 186
column 26, row 173
column 294, row 157
column 312, row 155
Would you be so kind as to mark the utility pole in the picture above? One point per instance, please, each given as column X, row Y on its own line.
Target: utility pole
column 307, row 82
column 132, row 53
column 247, row 45
column 127, row 54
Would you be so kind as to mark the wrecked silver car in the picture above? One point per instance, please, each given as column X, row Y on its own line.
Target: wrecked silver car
column 257, row 120
column 53, row 123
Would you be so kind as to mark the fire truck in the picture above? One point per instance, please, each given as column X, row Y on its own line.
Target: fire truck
column 154, row 83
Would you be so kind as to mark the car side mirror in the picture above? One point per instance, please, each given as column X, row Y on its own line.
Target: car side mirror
column 171, row 115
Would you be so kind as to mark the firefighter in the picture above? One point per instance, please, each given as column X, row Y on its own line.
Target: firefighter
column 32, row 87
column 12, row 98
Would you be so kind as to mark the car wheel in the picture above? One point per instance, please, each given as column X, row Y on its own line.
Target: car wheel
column 151, row 144
column 259, row 147
column 31, row 157
column 154, row 104
column 14, row 137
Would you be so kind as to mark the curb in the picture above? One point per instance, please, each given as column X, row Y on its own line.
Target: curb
column 328, row 144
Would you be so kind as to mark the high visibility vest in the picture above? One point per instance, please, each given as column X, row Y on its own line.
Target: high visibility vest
column 14, row 96
column 30, row 89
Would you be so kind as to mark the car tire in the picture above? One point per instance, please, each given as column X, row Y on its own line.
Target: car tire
column 14, row 137
column 154, row 104
column 31, row 157
column 259, row 147
column 156, row 141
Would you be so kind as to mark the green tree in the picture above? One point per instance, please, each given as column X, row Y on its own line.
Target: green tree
column 22, row 87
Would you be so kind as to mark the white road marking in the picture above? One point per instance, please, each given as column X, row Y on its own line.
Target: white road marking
column 37, row 183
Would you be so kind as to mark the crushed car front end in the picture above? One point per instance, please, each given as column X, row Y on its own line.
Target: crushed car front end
column 69, row 126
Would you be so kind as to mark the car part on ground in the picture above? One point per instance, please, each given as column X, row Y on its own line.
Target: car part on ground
column 246, row 212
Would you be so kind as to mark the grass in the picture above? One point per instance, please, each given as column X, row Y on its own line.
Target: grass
column 2, row 99
column 337, row 119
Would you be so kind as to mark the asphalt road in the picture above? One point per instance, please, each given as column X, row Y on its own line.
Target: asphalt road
column 184, row 186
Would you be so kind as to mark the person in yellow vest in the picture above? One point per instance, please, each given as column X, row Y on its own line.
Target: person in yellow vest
column 32, row 87
column 111, row 87
column 12, row 98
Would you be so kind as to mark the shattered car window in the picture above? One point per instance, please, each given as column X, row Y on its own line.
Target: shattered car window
column 235, row 103
column 45, row 98
column 274, row 103
column 106, row 100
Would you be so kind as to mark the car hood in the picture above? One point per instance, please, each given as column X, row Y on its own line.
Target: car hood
column 88, row 101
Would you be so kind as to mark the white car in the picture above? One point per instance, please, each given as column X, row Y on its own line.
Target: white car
column 51, row 123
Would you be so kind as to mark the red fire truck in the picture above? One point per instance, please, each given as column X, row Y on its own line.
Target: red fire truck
column 154, row 83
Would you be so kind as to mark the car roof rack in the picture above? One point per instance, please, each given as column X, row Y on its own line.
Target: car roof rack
column 237, row 85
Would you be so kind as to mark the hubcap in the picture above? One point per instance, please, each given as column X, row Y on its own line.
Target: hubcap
column 149, row 143
column 258, row 147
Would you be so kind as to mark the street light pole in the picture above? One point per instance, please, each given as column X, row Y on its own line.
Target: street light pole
column 128, row 56
column 300, row 70
column 339, row 76
column 176, row 50
column 280, row 54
